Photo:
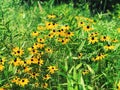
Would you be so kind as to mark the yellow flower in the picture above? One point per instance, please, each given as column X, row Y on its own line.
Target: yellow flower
column 109, row 47
column 46, row 77
column 15, row 80
column 118, row 85
column 69, row 34
column 39, row 27
column 91, row 20
column 40, row 40
column 66, row 27
column 40, row 62
column 115, row 40
column 93, row 40
column 33, row 60
column 105, row 38
column 27, row 69
column 87, row 28
column 2, row 88
column 100, row 56
column 36, row 45
column 23, row 82
column 35, row 33
column 52, row 69
column 65, row 40
column 45, row 85
column 17, row 51
column 34, row 75
column 85, row 72
column 41, row 45
column 80, row 55
column 48, row 50
column 36, row 84
column 17, row 62
column 50, row 25
column 61, row 32
column 50, row 35
column 93, row 34
column 2, row 61
column 1, row 67
column 81, row 24
column 118, row 29
column 33, row 50
column 53, row 32
column 51, row 16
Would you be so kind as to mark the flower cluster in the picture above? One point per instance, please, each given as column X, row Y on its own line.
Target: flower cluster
column 51, row 44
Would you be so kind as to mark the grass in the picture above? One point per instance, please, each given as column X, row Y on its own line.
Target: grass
column 58, row 48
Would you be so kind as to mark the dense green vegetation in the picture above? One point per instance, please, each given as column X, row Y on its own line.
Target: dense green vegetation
column 46, row 46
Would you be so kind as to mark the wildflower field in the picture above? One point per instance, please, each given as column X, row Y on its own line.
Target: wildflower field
column 46, row 46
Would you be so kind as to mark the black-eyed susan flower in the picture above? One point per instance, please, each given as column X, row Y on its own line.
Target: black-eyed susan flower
column 52, row 16
column 35, row 34
column 81, row 24
column 1, row 67
column 41, row 40
column 15, row 80
column 61, row 32
column 39, row 54
column 80, row 55
column 48, row 50
column 45, row 85
column 36, row 84
column 34, row 75
column 54, row 32
column 104, row 38
column 91, row 21
column 40, row 62
column 93, row 40
column 66, row 27
column 65, row 41
column 100, row 56
column 6, row 86
column 33, row 60
column 16, row 62
column 41, row 45
column 109, row 47
column 87, row 28
column 33, row 51
column 35, row 46
column 17, row 51
column 85, row 72
column 69, row 34
column 52, row 69
column 26, row 69
column 39, row 27
column 118, row 29
column 18, row 71
column 23, row 82
column 2, row 88
column 2, row 61
column 46, row 77
column 50, row 35
column 118, row 86
column 115, row 40
column 51, row 25
column 93, row 34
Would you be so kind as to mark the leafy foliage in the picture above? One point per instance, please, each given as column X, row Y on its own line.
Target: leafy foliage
column 52, row 47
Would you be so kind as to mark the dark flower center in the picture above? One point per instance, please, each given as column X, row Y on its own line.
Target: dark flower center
column 23, row 80
column 88, row 27
column 93, row 38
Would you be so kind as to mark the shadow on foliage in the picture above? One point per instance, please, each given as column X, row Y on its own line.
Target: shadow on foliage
column 96, row 6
